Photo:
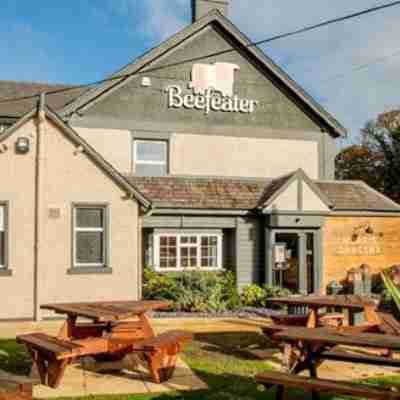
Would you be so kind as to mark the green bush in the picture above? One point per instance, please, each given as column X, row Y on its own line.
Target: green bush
column 257, row 296
column 253, row 296
column 193, row 291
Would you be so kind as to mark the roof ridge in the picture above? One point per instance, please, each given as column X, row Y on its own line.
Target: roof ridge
column 266, row 180
column 34, row 83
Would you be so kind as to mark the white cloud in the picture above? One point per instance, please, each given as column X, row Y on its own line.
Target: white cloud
column 155, row 19
column 163, row 18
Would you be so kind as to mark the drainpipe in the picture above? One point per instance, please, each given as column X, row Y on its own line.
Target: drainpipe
column 38, row 192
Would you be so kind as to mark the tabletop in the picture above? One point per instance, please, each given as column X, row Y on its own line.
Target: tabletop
column 107, row 310
column 334, row 337
column 346, row 301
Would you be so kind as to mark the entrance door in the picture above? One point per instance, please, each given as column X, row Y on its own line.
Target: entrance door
column 294, row 260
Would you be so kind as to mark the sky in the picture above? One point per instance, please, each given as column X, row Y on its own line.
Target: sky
column 351, row 68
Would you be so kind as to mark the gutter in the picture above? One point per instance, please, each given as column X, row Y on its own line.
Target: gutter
column 38, row 183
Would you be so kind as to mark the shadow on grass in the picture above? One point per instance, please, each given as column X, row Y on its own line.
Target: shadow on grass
column 218, row 359
column 237, row 344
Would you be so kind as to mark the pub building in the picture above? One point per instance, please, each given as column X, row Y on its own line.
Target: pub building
column 201, row 154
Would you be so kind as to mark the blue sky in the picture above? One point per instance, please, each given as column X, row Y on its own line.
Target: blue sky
column 84, row 40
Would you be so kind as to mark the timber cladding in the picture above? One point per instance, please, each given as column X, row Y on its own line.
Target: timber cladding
column 350, row 242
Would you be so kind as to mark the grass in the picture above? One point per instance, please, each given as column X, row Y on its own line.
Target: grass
column 222, row 360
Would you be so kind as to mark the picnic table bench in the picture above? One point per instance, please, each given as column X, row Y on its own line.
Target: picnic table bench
column 110, row 336
column 284, row 381
column 315, row 317
column 15, row 387
column 306, row 349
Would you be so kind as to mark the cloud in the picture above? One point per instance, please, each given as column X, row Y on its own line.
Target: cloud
column 154, row 19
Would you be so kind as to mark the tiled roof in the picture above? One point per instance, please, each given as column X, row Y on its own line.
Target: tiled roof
column 201, row 193
column 250, row 194
column 355, row 196
column 273, row 187
column 12, row 89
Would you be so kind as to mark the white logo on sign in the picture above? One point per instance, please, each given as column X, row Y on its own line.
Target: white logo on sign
column 212, row 87
column 220, row 77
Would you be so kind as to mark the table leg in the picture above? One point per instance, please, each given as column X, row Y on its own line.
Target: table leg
column 312, row 318
column 147, row 328
column 281, row 392
column 66, row 331
column 371, row 316
column 288, row 357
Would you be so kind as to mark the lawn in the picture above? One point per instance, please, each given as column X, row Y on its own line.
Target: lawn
column 222, row 360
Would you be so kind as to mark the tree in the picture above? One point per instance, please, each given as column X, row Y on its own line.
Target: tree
column 376, row 158
column 358, row 162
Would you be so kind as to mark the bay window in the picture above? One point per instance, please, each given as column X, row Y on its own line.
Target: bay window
column 187, row 251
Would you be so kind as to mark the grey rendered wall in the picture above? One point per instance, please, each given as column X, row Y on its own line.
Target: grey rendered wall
column 135, row 108
column 133, row 102
column 249, row 251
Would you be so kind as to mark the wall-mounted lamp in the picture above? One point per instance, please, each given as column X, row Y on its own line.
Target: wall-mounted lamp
column 362, row 229
column 22, row 145
column 146, row 81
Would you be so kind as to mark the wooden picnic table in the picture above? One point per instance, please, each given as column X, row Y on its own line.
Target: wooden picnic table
column 351, row 303
column 305, row 348
column 106, row 316
column 114, row 330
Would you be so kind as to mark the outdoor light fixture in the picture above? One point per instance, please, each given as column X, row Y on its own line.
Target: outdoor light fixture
column 146, row 81
column 22, row 145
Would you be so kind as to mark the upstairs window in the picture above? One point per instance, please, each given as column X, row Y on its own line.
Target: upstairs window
column 151, row 157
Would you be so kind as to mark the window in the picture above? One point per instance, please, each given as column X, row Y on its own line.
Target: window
column 150, row 157
column 3, row 234
column 174, row 252
column 90, row 233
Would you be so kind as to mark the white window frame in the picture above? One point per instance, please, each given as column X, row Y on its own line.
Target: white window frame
column 103, row 229
column 178, row 236
column 136, row 159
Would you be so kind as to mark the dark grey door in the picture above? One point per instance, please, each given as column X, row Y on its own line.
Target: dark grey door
column 300, row 272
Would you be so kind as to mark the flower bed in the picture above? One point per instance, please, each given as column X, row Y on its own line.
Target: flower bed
column 198, row 293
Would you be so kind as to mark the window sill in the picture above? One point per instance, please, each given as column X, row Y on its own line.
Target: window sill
column 204, row 269
column 89, row 271
column 5, row 272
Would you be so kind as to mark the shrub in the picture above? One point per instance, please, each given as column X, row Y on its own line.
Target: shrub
column 253, row 296
column 193, row 291
column 257, row 296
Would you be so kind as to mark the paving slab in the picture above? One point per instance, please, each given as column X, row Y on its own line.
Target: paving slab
column 80, row 380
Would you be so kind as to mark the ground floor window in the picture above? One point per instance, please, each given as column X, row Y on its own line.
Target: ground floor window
column 182, row 251
column 3, row 235
column 90, row 236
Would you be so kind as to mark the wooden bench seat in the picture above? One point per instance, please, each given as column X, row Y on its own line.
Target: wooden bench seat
column 292, row 320
column 283, row 381
column 357, row 358
column 161, row 351
column 389, row 324
column 51, row 355
column 14, row 387
column 327, row 319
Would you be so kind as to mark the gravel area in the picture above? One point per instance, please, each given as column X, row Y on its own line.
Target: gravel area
column 243, row 313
